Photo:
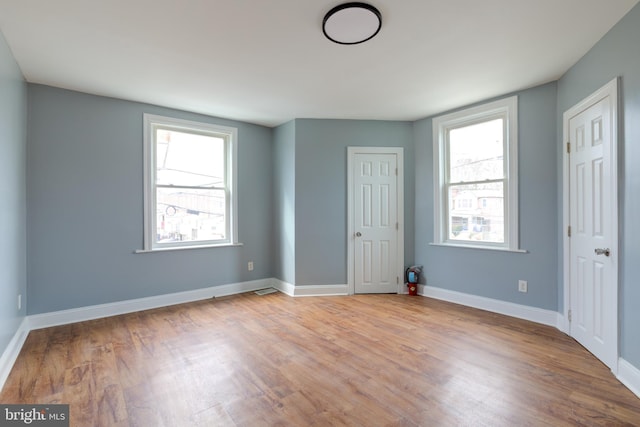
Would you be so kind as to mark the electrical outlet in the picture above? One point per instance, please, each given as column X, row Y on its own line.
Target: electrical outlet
column 522, row 285
column 250, row 266
column 19, row 301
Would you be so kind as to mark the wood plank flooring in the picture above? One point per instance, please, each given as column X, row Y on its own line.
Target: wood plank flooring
column 367, row 360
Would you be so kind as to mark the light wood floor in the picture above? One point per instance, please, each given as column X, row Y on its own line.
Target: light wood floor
column 370, row 360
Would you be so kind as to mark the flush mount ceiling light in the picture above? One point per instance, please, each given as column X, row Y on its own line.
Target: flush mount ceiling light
column 352, row 23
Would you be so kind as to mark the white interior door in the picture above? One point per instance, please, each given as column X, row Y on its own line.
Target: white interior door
column 375, row 231
column 593, row 225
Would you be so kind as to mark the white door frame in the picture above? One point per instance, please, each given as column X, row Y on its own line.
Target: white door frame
column 351, row 152
column 608, row 90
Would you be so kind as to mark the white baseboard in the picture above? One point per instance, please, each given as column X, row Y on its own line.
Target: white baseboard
column 533, row 314
column 629, row 375
column 310, row 290
column 9, row 356
column 563, row 324
column 45, row 320
column 63, row 317
column 321, row 290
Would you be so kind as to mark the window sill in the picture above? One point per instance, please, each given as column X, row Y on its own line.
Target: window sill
column 488, row 248
column 184, row 248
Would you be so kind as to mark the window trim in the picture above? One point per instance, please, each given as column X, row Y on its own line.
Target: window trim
column 150, row 121
column 506, row 109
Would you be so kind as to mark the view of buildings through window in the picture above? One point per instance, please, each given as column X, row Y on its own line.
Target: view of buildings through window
column 476, row 175
column 190, row 187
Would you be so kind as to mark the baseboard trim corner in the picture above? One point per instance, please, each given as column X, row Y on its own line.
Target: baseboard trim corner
column 310, row 290
column 284, row 287
column 629, row 375
column 562, row 324
column 533, row 314
column 10, row 355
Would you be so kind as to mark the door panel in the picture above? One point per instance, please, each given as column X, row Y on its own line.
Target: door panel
column 593, row 283
column 375, row 228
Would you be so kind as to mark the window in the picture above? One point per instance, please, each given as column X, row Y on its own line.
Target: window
column 189, row 183
column 476, row 188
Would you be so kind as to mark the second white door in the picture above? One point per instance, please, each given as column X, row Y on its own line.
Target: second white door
column 591, row 128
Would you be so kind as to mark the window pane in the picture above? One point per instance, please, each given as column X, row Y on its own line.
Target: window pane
column 190, row 215
column 188, row 159
column 476, row 152
column 476, row 212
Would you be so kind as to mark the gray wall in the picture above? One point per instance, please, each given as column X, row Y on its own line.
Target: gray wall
column 617, row 54
column 495, row 274
column 85, row 220
column 13, row 146
column 321, row 192
column 284, row 188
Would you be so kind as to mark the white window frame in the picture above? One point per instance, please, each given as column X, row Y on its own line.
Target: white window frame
column 506, row 109
column 230, row 135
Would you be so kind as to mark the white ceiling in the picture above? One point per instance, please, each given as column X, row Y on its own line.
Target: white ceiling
column 268, row 62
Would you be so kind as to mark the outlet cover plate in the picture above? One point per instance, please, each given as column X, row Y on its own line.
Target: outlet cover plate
column 522, row 286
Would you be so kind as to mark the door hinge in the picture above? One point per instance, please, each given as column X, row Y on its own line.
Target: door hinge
column 396, row 171
column 397, row 280
column 397, row 226
column 568, row 148
column 569, row 231
column 569, row 315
